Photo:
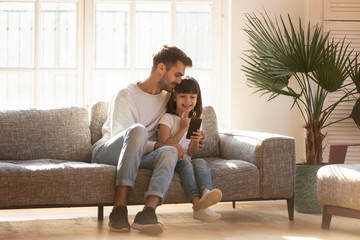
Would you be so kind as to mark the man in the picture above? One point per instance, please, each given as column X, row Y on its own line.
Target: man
column 131, row 129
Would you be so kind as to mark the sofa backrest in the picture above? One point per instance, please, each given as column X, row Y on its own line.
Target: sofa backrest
column 61, row 134
column 209, row 124
column 99, row 113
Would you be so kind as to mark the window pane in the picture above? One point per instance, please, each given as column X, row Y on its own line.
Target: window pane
column 106, row 84
column 193, row 34
column 152, row 30
column 111, row 35
column 140, row 75
column 57, row 90
column 16, row 90
column 16, row 34
column 58, row 35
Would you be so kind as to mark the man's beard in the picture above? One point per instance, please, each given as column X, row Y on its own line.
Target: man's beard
column 163, row 83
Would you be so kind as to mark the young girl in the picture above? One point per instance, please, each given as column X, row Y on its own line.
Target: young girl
column 185, row 103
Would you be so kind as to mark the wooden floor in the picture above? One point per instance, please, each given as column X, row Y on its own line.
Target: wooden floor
column 250, row 220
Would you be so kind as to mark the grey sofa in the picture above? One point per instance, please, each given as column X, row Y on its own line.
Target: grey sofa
column 45, row 162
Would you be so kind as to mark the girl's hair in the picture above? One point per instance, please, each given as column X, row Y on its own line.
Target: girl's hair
column 187, row 85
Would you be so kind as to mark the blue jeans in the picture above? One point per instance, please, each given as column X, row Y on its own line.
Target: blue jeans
column 125, row 150
column 195, row 176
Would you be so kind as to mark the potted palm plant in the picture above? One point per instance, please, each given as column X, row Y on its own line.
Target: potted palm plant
column 283, row 56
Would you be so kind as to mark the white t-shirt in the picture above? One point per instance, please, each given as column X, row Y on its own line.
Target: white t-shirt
column 173, row 122
column 132, row 105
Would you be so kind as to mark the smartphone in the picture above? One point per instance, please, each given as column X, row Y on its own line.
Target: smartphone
column 194, row 125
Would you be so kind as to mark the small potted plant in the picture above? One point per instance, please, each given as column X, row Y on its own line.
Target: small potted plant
column 283, row 55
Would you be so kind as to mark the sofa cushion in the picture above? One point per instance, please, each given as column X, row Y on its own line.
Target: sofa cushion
column 209, row 125
column 62, row 134
column 238, row 180
column 47, row 182
column 98, row 117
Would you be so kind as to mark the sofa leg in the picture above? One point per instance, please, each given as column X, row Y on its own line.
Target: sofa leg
column 290, row 206
column 100, row 213
column 234, row 204
column 329, row 211
column 326, row 219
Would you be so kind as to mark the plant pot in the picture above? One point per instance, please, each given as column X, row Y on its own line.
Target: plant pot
column 305, row 189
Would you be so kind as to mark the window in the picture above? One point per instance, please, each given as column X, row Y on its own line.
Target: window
column 341, row 18
column 39, row 42
column 77, row 52
column 127, row 33
column 16, row 26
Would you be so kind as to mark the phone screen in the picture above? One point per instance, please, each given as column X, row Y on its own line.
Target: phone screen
column 194, row 125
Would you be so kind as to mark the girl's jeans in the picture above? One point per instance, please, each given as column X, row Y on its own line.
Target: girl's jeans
column 125, row 150
column 195, row 176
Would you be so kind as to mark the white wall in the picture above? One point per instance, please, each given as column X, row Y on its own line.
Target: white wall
column 315, row 11
column 251, row 111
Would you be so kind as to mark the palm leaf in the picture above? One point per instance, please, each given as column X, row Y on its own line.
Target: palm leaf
column 355, row 74
column 281, row 51
column 335, row 68
column 289, row 51
column 355, row 114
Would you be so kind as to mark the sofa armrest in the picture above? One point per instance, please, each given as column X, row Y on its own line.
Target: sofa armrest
column 273, row 154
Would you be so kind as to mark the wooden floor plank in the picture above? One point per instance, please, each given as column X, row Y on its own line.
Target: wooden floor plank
column 249, row 220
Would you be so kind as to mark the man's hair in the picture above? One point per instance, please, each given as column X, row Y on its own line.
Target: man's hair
column 169, row 55
column 187, row 85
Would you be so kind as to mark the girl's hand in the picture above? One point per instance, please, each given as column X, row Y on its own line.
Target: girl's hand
column 196, row 137
column 184, row 121
column 202, row 140
column 196, row 143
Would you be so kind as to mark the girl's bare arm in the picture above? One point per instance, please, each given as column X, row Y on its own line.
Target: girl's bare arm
column 164, row 135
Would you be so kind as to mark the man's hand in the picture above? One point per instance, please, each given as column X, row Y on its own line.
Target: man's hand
column 202, row 140
column 180, row 150
column 178, row 147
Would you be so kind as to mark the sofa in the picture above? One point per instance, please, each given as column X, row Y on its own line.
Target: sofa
column 45, row 161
